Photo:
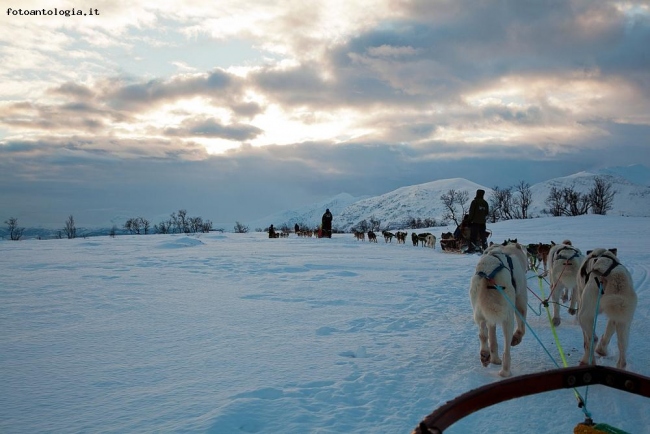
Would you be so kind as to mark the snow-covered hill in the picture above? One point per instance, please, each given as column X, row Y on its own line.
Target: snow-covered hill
column 423, row 201
column 415, row 201
column 636, row 173
column 630, row 199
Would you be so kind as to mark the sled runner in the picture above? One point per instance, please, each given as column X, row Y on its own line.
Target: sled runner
column 532, row 384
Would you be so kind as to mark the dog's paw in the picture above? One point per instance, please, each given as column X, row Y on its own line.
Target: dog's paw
column 516, row 339
column 601, row 351
column 485, row 358
column 565, row 298
column 556, row 322
column 572, row 311
column 504, row 373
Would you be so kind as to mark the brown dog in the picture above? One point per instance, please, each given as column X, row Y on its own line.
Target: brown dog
column 538, row 254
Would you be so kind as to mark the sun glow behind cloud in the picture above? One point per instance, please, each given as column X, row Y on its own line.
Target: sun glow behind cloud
column 282, row 127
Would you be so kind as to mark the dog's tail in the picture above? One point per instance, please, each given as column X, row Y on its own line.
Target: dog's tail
column 493, row 302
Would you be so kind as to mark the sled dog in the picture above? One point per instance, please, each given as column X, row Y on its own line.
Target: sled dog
column 538, row 254
column 603, row 276
column 388, row 236
column 564, row 262
column 448, row 242
column 503, row 267
column 422, row 238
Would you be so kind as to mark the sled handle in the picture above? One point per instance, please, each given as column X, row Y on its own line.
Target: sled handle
column 563, row 378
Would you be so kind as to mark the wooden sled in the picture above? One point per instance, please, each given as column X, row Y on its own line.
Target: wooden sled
column 449, row 244
column 532, row 384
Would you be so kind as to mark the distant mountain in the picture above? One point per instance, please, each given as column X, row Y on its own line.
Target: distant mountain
column 422, row 201
column 636, row 173
column 416, row 201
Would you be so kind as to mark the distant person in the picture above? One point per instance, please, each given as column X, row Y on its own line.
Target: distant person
column 271, row 232
column 296, row 228
column 478, row 213
column 327, row 224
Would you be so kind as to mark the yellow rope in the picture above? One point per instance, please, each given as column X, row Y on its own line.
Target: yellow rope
column 581, row 403
column 550, row 320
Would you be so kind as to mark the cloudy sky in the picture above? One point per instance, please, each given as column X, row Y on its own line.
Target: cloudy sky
column 235, row 110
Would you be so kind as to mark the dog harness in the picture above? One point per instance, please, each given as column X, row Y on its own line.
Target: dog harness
column 576, row 253
column 501, row 266
column 615, row 263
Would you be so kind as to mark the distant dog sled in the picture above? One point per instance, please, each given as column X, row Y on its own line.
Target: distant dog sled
column 459, row 242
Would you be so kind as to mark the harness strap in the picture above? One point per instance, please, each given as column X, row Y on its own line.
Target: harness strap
column 615, row 263
column 575, row 253
column 501, row 266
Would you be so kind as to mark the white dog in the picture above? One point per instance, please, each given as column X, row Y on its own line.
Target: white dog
column 503, row 267
column 564, row 262
column 430, row 241
column 602, row 275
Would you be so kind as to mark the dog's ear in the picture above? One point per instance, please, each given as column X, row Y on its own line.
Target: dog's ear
column 552, row 243
column 589, row 252
column 614, row 251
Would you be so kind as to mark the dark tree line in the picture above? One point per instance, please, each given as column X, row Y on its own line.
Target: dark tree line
column 419, row 223
column 511, row 203
column 566, row 201
column 181, row 223
column 515, row 202
column 137, row 226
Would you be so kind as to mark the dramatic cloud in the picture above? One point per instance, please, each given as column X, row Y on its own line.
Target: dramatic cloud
column 309, row 100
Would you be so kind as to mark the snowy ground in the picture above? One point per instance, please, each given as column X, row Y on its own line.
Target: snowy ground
column 237, row 333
